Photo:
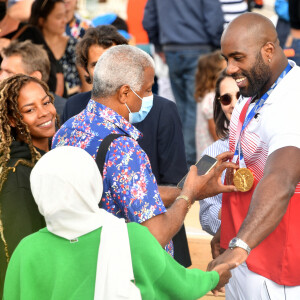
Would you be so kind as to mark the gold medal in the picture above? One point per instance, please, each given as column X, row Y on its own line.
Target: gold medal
column 243, row 179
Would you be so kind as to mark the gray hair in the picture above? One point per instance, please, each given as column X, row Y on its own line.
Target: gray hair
column 34, row 57
column 120, row 65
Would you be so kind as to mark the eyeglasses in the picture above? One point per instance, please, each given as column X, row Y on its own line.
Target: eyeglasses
column 227, row 98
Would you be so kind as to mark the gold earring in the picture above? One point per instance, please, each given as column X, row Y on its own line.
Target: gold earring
column 269, row 60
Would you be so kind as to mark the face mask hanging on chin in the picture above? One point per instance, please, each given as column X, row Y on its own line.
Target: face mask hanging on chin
column 147, row 103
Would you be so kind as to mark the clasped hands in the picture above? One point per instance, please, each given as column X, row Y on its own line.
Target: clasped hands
column 224, row 261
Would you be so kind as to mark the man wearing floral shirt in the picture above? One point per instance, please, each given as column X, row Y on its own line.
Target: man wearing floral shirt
column 122, row 77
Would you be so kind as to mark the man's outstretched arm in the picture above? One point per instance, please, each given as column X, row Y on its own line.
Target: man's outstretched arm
column 166, row 225
column 269, row 203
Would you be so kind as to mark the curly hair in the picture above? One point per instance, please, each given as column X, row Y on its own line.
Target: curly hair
column 222, row 123
column 104, row 36
column 9, row 112
column 209, row 66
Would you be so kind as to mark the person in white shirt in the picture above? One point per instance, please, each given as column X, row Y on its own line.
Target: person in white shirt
column 260, row 227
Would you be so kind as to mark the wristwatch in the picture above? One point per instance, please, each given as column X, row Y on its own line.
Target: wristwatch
column 236, row 242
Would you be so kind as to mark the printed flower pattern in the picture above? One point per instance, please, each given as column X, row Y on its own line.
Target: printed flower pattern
column 77, row 27
column 129, row 186
column 68, row 63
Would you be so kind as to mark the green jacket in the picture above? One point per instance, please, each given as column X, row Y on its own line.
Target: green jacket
column 45, row 266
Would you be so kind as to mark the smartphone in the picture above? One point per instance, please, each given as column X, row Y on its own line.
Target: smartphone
column 204, row 165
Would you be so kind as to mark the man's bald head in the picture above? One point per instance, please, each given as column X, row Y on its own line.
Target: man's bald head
column 251, row 27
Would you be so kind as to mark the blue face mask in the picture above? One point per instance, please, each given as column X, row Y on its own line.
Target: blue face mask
column 147, row 103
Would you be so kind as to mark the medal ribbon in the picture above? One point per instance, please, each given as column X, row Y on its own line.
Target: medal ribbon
column 245, row 120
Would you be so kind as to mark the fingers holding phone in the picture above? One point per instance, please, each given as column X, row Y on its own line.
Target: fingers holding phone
column 209, row 183
column 204, row 165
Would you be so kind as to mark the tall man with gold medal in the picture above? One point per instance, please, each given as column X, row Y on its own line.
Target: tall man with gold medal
column 243, row 178
column 260, row 224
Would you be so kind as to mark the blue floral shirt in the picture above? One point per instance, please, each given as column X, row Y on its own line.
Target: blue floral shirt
column 129, row 186
column 77, row 27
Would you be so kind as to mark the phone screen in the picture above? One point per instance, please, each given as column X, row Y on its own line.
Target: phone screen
column 204, row 165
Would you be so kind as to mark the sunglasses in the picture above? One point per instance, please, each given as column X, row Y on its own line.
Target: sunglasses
column 227, row 98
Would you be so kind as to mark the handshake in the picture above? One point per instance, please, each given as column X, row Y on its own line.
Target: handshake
column 224, row 274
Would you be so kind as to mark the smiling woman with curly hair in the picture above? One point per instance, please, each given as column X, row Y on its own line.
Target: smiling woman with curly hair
column 27, row 121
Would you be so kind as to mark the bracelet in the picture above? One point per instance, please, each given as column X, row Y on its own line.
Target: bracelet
column 186, row 198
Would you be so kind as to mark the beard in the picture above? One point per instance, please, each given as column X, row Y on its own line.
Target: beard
column 258, row 76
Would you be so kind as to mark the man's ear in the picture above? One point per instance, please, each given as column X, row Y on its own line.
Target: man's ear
column 268, row 51
column 37, row 74
column 123, row 93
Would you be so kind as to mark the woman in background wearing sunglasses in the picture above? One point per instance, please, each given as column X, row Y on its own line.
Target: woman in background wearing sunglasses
column 227, row 94
column 209, row 67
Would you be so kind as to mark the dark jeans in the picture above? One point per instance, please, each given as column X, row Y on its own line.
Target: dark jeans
column 283, row 29
column 296, row 49
column 182, row 68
